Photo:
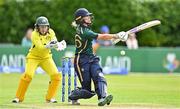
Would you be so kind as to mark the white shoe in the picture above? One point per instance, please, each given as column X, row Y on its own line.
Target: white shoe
column 75, row 102
column 52, row 100
column 15, row 100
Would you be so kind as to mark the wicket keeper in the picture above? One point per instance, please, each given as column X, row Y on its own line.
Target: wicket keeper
column 86, row 63
column 43, row 40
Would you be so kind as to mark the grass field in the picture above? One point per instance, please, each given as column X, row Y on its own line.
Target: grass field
column 132, row 91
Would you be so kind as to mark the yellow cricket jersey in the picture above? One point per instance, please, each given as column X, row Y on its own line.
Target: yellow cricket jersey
column 38, row 49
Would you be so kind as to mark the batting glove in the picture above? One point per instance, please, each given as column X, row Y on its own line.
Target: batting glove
column 123, row 36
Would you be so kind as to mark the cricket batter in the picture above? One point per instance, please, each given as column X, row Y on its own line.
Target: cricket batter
column 43, row 39
column 86, row 63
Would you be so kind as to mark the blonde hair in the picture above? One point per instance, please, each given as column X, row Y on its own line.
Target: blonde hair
column 74, row 24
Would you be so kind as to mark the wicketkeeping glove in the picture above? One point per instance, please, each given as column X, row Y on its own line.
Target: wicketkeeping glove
column 61, row 45
column 52, row 44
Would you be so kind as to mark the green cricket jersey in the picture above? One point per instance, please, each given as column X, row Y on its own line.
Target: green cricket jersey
column 83, row 40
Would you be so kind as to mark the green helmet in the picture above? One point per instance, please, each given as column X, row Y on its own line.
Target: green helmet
column 42, row 21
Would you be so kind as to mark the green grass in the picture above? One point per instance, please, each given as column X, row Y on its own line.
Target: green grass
column 138, row 90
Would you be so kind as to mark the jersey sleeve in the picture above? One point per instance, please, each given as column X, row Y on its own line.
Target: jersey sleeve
column 89, row 34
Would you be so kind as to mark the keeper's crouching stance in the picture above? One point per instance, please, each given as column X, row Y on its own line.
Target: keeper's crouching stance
column 43, row 39
column 86, row 63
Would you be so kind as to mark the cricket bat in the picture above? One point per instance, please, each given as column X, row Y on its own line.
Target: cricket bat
column 140, row 28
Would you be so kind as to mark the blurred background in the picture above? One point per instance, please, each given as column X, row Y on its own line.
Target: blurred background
column 153, row 50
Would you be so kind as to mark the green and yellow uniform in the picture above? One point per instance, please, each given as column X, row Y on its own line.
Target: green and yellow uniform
column 83, row 40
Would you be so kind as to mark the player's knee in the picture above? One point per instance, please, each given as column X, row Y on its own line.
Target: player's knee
column 29, row 74
column 81, row 94
column 26, row 77
column 56, row 77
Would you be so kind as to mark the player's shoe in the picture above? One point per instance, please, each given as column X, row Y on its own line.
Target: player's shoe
column 75, row 102
column 52, row 100
column 15, row 100
column 107, row 100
